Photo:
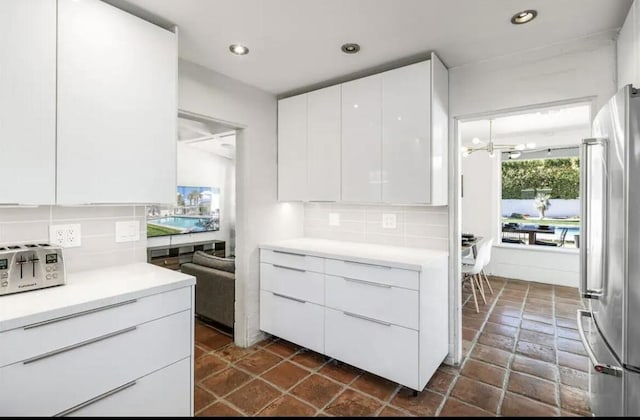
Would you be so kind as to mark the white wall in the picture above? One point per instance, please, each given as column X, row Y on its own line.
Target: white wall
column 628, row 43
column 259, row 216
column 578, row 69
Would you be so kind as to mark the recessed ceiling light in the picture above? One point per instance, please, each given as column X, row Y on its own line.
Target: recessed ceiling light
column 238, row 49
column 350, row 48
column 524, row 17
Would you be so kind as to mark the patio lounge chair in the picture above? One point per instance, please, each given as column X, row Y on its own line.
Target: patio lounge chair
column 563, row 235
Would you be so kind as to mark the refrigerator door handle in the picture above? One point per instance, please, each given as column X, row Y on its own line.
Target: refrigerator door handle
column 599, row 367
column 585, row 292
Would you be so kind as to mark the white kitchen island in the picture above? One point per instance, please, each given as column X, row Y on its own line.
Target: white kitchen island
column 381, row 308
column 110, row 342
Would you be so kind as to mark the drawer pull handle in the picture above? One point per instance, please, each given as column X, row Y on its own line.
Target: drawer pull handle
column 366, row 318
column 288, row 297
column 95, row 399
column 290, row 268
column 368, row 283
column 289, row 253
column 78, row 345
column 367, row 264
column 90, row 311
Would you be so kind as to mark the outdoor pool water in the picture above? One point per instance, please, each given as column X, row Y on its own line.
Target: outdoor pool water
column 189, row 223
column 571, row 230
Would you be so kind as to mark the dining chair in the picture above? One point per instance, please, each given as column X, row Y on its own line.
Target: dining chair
column 471, row 272
column 487, row 255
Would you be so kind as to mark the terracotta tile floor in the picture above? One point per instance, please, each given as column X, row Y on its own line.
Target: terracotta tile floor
column 522, row 358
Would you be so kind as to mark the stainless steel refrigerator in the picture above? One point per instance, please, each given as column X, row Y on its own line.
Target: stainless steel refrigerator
column 610, row 255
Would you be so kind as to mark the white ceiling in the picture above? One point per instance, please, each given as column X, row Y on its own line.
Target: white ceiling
column 207, row 137
column 295, row 44
column 545, row 127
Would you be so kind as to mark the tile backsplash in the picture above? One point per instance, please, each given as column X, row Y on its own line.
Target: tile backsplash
column 416, row 226
column 20, row 225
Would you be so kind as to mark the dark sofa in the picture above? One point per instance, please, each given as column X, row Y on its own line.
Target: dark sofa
column 215, row 287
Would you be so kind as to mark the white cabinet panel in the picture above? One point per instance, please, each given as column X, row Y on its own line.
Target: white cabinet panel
column 390, row 304
column 383, row 275
column 293, row 282
column 292, row 148
column 170, row 388
column 406, row 138
column 385, row 350
column 439, row 132
column 626, row 54
column 72, row 375
column 292, row 260
column 27, row 101
column 297, row 321
column 117, row 106
column 361, row 140
column 323, row 144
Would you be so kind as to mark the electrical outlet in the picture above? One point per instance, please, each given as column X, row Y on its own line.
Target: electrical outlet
column 128, row 231
column 388, row 221
column 334, row 219
column 66, row 236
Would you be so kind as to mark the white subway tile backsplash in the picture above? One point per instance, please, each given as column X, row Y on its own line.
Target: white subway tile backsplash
column 99, row 248
column 416, row 226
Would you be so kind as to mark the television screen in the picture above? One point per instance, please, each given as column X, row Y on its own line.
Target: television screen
column 197, row 209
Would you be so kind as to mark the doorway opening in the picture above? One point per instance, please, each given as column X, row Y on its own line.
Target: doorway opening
column 517, row 196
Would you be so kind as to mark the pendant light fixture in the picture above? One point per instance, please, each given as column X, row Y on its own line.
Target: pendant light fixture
column 490, row 147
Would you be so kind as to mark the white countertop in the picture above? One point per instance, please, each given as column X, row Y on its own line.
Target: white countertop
column 88, row 290
column 392, row 256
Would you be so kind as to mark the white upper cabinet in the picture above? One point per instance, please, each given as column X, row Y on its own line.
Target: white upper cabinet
column 362, row 140
column 378, row 139
column 292, row 148
column 406, row 137
column 626, row 54
column 323, row 144
column 117, row 106
column 27, row 101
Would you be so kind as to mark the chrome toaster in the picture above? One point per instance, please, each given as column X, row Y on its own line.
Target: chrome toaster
column 29, row 267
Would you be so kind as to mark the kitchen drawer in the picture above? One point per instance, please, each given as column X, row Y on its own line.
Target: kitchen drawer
column 23, row 343
column 386, row 303
column 297, row 321
column 383, row 349
column 170, row 387
column 374, row 273
column 293, row 282
column 54, row 382
column 292, row 259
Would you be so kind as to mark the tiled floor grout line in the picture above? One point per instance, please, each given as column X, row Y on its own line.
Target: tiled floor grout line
column 555, row 342
column 507, row 376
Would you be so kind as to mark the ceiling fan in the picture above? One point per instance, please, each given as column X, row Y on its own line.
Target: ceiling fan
column 491, row 147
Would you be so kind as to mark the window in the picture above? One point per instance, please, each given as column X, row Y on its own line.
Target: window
column 540, row 203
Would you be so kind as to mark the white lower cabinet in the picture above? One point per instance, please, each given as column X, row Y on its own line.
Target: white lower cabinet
column 381, row 318
column 293, row 319
column 375, row 346
column 87, row 363
column 170, row 387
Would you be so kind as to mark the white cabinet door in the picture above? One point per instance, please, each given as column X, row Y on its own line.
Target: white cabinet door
column 27, row 101
column 626, row 55
column 323, row 144
column 439, row 132
column 406, row 139
column 117, row 106
column 292, row 148
column 361, row 140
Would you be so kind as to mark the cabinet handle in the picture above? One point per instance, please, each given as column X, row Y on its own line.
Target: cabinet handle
column 75, row 346
column 368, row 283
column 95, row 399
column 289, row 268
column 289, row 253
column 287, row 297
column 321, row 201
column 9, row 204
column 371, row 265
column 90, row 311
column 375, row 321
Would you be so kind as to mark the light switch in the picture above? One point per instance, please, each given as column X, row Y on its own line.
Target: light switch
column 388, row 220
column 128, row 231
column 334, row 219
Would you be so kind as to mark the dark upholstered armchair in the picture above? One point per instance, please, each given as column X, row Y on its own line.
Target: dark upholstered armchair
column 215, row 287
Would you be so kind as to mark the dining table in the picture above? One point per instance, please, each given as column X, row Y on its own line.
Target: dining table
column 471, row 246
